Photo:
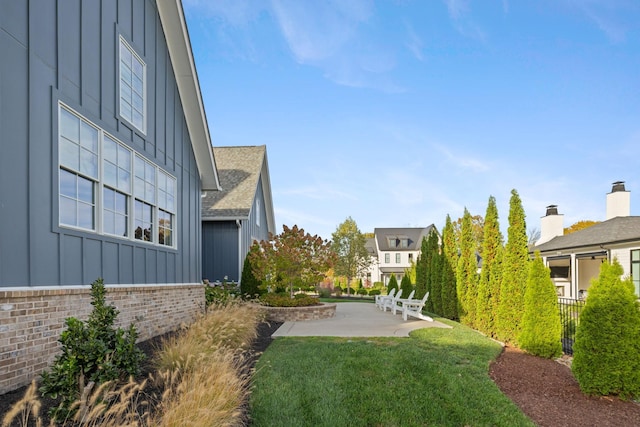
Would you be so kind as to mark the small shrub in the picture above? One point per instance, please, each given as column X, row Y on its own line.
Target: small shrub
column 378, row 285
column 219, row 295
column 605, row 353
column 92, row 351
column 374, row 292
column 337, row 290
column 324, row 292
column 284, row 300
column 363, row 291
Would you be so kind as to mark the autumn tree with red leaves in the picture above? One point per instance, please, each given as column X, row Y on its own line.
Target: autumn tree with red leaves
column 292, row 257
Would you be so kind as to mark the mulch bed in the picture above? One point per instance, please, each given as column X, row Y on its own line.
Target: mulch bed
column 548, row 393
column 544, row 390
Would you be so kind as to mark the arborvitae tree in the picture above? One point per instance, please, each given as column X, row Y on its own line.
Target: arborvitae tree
column 250, row 286
column 541, row 326
column 393, row 283
column 605, row 353
column 514, row 274
column 422, row 268
column 405, row 286
column 448, row 271
column 435, row 274
column 466, row 274
column 431, row 269
column 489, row 283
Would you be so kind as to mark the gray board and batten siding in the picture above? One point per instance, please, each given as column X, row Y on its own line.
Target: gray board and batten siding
column 66, row 53
column 223, row 252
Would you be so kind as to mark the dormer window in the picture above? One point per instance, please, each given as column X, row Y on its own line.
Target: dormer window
column 393, row 242
column 133, row 94
column 404, row 242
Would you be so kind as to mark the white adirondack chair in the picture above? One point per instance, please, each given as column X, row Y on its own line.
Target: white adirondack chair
column 380, row 299
column 390, row 303
column 400, row 301
column 414, row 309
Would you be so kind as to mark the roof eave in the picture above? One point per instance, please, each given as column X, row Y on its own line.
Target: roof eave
column 179, row 46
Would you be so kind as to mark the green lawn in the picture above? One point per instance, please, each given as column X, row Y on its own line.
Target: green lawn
column 436, row 377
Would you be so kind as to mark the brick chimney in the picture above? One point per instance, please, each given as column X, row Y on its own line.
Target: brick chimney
column 551, row 225
column 618, row 201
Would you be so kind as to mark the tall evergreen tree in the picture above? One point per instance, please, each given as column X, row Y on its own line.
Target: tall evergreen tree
column 514, row 274
column 422, row 268
column 466, row 274
column 431, row 269
column 448, row 271
column 541, row 327
column 434, row 273
column 489, row 283
column 605, row 353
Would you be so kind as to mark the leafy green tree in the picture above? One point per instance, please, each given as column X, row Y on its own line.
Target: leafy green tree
column 490, row 275
column 466, row 273
column 411, row 271
column 348, row 244
column 405, row 286
column 448, row 268
column 393, row 283
column 605, row 353
column 541, row 325
column 292, row 257
column 250, row 286
column 514, row 274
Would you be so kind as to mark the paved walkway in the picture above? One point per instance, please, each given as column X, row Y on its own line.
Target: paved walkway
column 356, row 319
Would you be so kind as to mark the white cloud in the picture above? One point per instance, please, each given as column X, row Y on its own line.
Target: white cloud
column 414, row 43
column 461, row 161
column 460, row 14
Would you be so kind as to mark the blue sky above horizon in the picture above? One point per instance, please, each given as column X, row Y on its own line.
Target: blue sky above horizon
column 397, row 113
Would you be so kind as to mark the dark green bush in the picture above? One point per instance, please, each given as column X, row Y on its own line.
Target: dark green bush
column 92, row 351
column 220, row 295
column 323, row 292
column 405, row 286
column 393, row 284
column 284, row 300
column 605, row 353
column 250, row 286
column 541, row 326
column 363, row 291
column 374, row 292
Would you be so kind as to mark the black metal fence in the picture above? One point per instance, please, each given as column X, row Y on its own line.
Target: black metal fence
column 570, row 310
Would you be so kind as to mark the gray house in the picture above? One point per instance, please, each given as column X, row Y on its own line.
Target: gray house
column 105, row 153
column 574, row 259
column 237, row 215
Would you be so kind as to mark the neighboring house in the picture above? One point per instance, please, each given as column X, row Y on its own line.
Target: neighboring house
column 105, row 153
column 395, row 250
column 238, row 215
column 575, row 258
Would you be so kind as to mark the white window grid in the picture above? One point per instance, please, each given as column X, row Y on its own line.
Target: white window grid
column 100, row 184
column 132, row 86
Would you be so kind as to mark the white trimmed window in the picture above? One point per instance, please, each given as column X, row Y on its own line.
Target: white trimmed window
column 107, row 188
column 133, row 94
column 258, row 212
column 387, row 258
column 397, row 258
column 78, row 157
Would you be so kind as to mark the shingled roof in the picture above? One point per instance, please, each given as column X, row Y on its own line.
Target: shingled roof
column 616, row 230
column 239, row 170
column 413, row 235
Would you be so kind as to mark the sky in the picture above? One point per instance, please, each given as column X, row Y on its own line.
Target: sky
column 398, row 113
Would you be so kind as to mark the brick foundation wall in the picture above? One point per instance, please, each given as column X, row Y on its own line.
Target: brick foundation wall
column 295, row 314
column 32, row 320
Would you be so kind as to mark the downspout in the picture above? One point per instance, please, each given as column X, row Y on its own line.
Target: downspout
column 239, row 225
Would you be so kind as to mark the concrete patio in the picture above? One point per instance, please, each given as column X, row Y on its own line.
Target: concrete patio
column 356, row 319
